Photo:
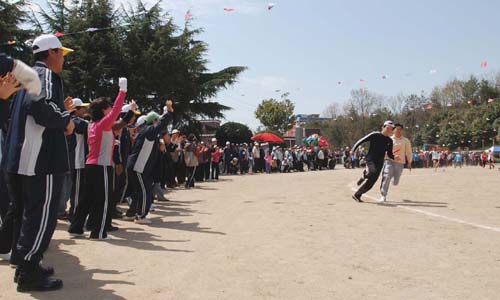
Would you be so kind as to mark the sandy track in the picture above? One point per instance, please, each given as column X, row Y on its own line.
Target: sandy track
column 295, row 236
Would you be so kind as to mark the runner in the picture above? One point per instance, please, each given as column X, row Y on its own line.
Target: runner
column 393, row 169
column 380, row 145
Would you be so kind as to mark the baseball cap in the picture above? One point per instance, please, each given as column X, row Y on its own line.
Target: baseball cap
column 389, row 123
column 151, row 116
column 175, row 131
column 214, row 140
column 140, row 121
column 126, row 109
column 49, row 41
column 79, row 103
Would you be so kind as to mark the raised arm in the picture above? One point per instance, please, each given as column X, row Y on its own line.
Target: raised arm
column 107, row 122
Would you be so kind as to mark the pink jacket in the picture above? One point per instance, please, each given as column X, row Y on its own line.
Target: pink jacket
column 101, row 140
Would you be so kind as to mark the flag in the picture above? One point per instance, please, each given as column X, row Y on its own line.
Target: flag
column 188, row 16
column 59, row 34
column 91, row 29
column 226, row 9
column 484, row 64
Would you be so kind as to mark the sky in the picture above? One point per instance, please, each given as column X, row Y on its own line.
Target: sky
column 307, row 47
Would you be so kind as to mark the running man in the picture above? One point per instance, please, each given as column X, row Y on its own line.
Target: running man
column 380, row 145
column 393, row 169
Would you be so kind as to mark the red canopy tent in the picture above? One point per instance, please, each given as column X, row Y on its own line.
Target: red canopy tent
column 267, row 137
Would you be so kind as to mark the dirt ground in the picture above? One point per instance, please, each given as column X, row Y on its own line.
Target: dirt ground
column 295, row 236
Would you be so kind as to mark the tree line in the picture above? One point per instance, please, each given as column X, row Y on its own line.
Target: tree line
column 457, row 115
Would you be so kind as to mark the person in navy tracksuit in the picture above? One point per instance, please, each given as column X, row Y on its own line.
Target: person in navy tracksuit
column 142, row 161
column 35, row 159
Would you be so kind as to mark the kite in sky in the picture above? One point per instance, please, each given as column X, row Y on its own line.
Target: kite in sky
column 270, row 6
column 484, row 64
column 227, row 9
column 433, row 71
column 339, row 82
column 188, row 16
column 384, row 76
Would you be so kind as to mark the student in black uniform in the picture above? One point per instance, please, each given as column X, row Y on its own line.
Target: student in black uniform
column 142, row 161
column 36, row 158
column 380, row 145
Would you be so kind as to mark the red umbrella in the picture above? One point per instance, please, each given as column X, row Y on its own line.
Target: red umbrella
column 322, row 142
column 268, row 138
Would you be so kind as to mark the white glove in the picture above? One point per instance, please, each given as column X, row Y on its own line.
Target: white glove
column 122, row 82
column 28, row 77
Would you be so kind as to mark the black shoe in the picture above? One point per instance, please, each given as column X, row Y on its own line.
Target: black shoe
column 36, row 281
column 357, row 198
column 360, row 181
column 116, row 214
column 46, row 271
column 76, row 232
column 111, row 228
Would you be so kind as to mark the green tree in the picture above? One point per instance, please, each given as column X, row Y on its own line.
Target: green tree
column 12, row 36
column 276, row 115
column 233, row 132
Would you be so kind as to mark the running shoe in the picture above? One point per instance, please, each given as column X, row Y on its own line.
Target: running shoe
column 357, row 198
column 142, row 221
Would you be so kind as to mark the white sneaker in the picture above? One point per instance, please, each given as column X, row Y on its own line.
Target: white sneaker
column 152, row 208
column 107, row 238
column 127, row 218
column 5, row 256
column 382, row 199
column 142, row 221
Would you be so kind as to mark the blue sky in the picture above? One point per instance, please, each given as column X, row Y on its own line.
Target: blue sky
column 306, row 47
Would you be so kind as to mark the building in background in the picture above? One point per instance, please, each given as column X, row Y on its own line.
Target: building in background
column 209, row 127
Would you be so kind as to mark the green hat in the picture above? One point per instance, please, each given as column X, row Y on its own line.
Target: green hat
column 151, row 116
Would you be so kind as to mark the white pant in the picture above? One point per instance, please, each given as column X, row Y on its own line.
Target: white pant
column 392, row 170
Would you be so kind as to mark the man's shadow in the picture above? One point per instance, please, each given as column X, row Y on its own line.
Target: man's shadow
column 79, row 282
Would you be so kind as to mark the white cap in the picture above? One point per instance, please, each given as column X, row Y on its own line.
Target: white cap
column 126, row 109
column 175, row 131
column 79, row 103
column 49, row 41
column 389, row 123
column 214, row 140
column 140, row 121
column 228, row 143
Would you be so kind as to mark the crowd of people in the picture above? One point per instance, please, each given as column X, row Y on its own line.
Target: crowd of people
column 66, row 159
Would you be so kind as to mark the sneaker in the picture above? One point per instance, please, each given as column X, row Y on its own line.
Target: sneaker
column 5, row 256
column 46, row 271
column 382, row 199
column 360, row 181
column 357, row 198
column 128, row 218
column 106, row 238
column 111, row 228
column 76, row 233
column 142, row 221
column 36, row 281
column 152, row 207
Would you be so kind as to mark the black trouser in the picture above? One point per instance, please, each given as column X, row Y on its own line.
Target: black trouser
column 191, row 171
column 215, row 170
column 95, row 205
column 77, row 191
column 121, row 184
column 142, row 194
column 206, row 170
column 371, row 173
column 35, row 202
column 200, row 172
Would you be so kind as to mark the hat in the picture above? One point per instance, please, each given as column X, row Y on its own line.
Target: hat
column 49, row 41
column 389, row 123
column 228, row 143
column 79, row 103
column 151, row 116
column 126, row 109
column 140, row 121
column 175, row 131
column 214, row 140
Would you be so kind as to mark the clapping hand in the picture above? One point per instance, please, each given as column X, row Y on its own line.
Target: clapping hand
column 8, row 86
column 69, row 105
column 170, row 106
